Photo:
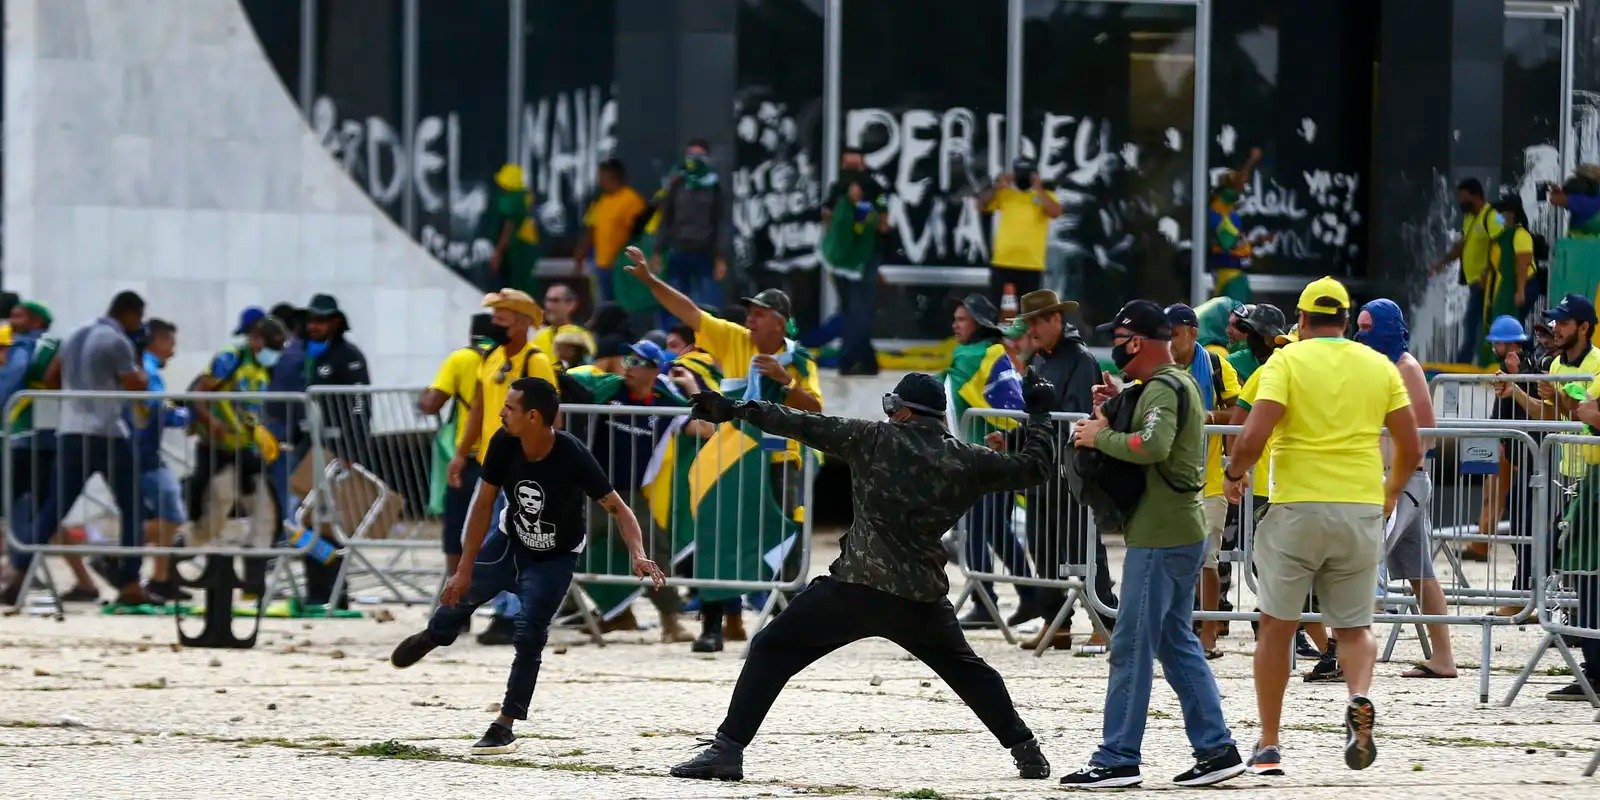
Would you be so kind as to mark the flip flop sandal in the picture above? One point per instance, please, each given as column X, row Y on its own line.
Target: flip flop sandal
column 1424, row 671
column 1213, row 654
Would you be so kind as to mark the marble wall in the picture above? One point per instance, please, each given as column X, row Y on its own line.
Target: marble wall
column 150, row 146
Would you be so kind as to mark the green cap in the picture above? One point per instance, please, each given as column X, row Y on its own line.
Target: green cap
column 1015, row 329
column 39, row 310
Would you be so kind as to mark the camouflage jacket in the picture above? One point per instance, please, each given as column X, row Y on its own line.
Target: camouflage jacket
column 912, row 481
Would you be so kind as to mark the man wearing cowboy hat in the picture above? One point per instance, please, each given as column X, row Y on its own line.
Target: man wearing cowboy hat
column 1054, row 349
column 513, row 318
column 981, row 375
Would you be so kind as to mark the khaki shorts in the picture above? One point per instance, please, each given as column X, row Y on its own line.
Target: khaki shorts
column 1216, row 512
column 1333, row 548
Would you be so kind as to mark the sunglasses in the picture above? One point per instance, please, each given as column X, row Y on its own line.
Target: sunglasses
column 637, row 362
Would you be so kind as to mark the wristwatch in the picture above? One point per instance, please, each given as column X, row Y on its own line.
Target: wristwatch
column 1230, row 478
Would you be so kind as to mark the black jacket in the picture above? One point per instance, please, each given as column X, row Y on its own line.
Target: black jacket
column 1072, row 369
column 346, row 418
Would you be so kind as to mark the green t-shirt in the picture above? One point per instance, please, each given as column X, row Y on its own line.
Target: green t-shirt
column 1164, row 517
column 522, row 253
column 1244, row 362
column 631, row 295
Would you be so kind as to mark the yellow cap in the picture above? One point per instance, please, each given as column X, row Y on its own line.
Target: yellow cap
column 1289, row 338
column 510, row 178
column 1324, row 296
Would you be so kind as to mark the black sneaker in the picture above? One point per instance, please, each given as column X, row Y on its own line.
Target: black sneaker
column 1359, row 718
column 411, row 649
column 1266, row 761
column 84, row 594
column 163, row 592
column 1303, row 646
column 501, row 630
column 1326, row 671
column 1030, row 760
column 722, row 760
column 978, row 617
column 709, row 642
column 1094, row 776
column 498, row 740
column 1572, row 691
column 1213, row 770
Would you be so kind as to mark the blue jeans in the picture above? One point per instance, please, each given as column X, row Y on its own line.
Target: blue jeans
column 604, row 283
column 1155, row 622
column 989, row 528
column 539, row 583
column 858, row 308
column 79, row 457
column 1472, row 326
column 691, row 273
column 506, row 603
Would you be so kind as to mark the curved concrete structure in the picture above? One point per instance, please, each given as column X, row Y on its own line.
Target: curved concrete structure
column 150, row 146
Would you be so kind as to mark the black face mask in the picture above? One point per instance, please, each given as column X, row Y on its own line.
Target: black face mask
column 1022, row 177
column 1466, row 207
column 1120, row 356
column 848, row 176
column 499, row 334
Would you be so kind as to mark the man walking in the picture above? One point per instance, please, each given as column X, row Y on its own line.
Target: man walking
column 1327, row 399
column 1166, row 538
column 1054, row 525
column 914, row 480
column 693, row 226
column 854, row 213
column 1480, row 226
column 1408, row 546
column 545, row 475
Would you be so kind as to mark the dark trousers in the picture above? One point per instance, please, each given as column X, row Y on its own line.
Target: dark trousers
column 1058, row 531
column 457, row 502
column 1521, row 515
column 830, row 614
column 33, row 467
column 79, row 457
column 857, row 308
column 989, row 528
column 1023, row 280
column 539, row 583
column 1471, row 326
column 694, row 274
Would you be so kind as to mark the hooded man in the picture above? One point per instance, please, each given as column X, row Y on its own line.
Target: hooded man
column 981, row 375
column 1408, row 547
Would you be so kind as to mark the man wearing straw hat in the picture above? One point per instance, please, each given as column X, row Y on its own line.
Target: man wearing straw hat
column 513, row 317
column 1055, row 350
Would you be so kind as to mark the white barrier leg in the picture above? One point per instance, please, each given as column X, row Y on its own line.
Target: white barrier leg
column 1483, row 662
column 1594, row 763
column 1389, row 643
column 590, row 620
column 1528, row 668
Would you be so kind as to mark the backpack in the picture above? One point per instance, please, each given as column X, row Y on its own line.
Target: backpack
column 1110, row 487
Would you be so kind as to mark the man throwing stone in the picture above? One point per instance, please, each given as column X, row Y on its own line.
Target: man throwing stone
column 913, row 481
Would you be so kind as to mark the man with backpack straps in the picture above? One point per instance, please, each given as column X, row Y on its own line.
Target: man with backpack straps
column 1162, row 441
column 456, row 383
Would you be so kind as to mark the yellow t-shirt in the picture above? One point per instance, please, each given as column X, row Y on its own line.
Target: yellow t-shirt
column 1575, row 461
column 733, row 348
column 1479, row 231
column 611, row 217
column 1230, row 391
column 1521, row 244
column 545, row 339
column 1022, row 230
column 5, row 334
column 1336, row 394
column 495, row 379
column 458, row 378
column 1261, row 473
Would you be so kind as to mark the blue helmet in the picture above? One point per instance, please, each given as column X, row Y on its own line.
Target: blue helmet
column 1506, row 328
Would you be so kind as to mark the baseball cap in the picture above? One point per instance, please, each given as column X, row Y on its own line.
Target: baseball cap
column 1575, row 307
column 1506, row 328
column 1142, row 317
column 1180, row 314
column 39, row 310
column 248, row 318
column 771, row 299
column 1016, row 329
column 650, row 351
column 923, row 392
column 1324, row 296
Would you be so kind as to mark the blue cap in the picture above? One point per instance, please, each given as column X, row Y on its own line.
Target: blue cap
column 1575, row 307
column 1180, row 314
column 248, row 318
column 1506, row 328
column 651, row 352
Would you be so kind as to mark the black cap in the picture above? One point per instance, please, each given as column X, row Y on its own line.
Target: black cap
column 613, row 345
column 1142, row 317
column 772, row 300
column 983, row 312
column 1575, row 307
column 1264, row 320
column 922, row 391
column 1180, row 314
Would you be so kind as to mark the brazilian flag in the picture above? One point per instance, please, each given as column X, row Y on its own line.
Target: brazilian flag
column 1575, row 269
column 740, row 531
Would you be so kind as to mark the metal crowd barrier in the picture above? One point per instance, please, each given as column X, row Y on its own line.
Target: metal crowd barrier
column 1469, row 396
column 722, row 509
column 55, row 477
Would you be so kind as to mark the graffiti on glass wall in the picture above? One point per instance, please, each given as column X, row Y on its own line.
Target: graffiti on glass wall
column 1314, row 212
column 563, row 139
column 776, row 190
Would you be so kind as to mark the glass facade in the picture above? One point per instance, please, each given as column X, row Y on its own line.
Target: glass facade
column 1531, row 138
column 358, row 107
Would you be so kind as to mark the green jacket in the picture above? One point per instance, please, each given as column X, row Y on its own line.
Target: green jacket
column 1164, row 517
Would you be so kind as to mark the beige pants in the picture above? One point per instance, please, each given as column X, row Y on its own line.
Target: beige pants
column 1216, row 515
column 1333, row 548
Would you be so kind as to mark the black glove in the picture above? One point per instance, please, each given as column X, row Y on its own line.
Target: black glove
column 712, row 407
column 1037, row 394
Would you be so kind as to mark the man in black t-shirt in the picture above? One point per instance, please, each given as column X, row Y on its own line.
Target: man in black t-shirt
column 545, row 475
